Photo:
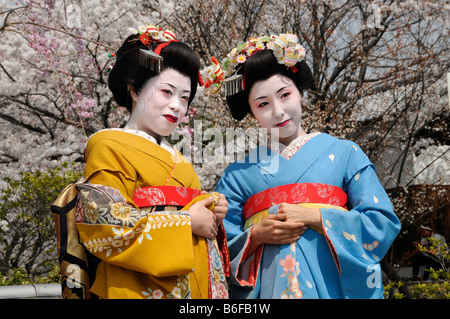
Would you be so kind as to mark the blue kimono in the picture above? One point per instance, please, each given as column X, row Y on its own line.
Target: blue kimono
column 341, row 260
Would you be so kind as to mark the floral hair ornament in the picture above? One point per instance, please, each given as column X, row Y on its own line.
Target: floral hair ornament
column 214, row 76
column 285, row 48
column 152, row 59
column 151, row 34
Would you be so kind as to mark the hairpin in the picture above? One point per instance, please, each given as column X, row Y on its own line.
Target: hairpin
column 233, row 84
column 149, row 35
column 151, row 60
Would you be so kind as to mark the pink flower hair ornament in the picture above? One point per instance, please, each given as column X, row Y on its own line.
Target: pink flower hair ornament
column 285, row 48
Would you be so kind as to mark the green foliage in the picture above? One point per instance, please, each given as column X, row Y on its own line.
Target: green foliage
column 19, row 276
column 439, row 285
column 391, row 290
column 15, row 276
column 27, row 233
column 439, row 251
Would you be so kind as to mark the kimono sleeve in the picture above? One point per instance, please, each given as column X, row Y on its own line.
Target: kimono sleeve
column 243, row 266
column 117, row 232
column 158, row 244
column 361, row 236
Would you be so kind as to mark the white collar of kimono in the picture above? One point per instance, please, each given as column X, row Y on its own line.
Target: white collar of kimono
column 164, row 143
column 288, row 150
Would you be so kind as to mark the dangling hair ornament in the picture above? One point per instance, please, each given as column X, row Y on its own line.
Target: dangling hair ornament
column 149, row 35
column 233, row 84
column 151, row 60
column 285, row 48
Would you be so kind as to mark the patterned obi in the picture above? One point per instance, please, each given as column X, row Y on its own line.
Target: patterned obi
column 154, row 198
column 164, row 196
column 305, row 194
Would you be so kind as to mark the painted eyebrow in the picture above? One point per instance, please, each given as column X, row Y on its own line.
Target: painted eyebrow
column 263, row 97
column 174, row 87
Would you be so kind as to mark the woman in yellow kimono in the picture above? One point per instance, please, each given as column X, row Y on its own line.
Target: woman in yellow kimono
column 140, row 209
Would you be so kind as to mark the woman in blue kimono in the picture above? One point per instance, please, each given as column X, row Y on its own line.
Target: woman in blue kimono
column 307, row 217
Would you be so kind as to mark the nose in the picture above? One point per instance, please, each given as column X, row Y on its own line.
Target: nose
column 278, row 110
column 175, row 105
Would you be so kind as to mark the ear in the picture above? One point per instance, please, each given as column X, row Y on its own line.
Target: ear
column 132, row 93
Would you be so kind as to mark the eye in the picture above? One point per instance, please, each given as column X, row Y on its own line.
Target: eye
column 165, row 91
column 262, row 104
column 285, row 94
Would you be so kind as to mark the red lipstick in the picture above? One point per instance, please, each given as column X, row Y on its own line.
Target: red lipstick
column 171, row 118
column 284, row 123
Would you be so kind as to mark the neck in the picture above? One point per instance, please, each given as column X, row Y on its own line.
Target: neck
column 132, row 126
column 288, row 140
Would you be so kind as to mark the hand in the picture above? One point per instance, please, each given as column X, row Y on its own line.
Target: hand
column 220, row 209
column 276, row 230
column 203, row 221
column 309, row 216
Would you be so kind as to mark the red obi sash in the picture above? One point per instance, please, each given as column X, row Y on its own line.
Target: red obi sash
column 164, row 195
column 295, row 194
column 181, row 196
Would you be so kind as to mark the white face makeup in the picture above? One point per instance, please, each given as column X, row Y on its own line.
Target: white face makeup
column 276, row 105
column 161, row 104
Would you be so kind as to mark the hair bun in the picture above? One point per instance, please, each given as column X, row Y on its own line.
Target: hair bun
column 128, row 70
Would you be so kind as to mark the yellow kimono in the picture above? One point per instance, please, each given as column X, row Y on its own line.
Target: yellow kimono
column 144, row 252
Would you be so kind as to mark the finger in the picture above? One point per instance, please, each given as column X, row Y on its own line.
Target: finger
column 289, row 234
column 222, row 202
column 302, row 230
column 288, row 225
column 284, row 208
column 282, row 240
column 276, row 216
column 291, row 240
column 207, row 201
column 220, row 210
column 287, row 237
column 203, row 193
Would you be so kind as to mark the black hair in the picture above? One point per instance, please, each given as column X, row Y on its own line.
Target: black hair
column 127, row 69
column 259, row 67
